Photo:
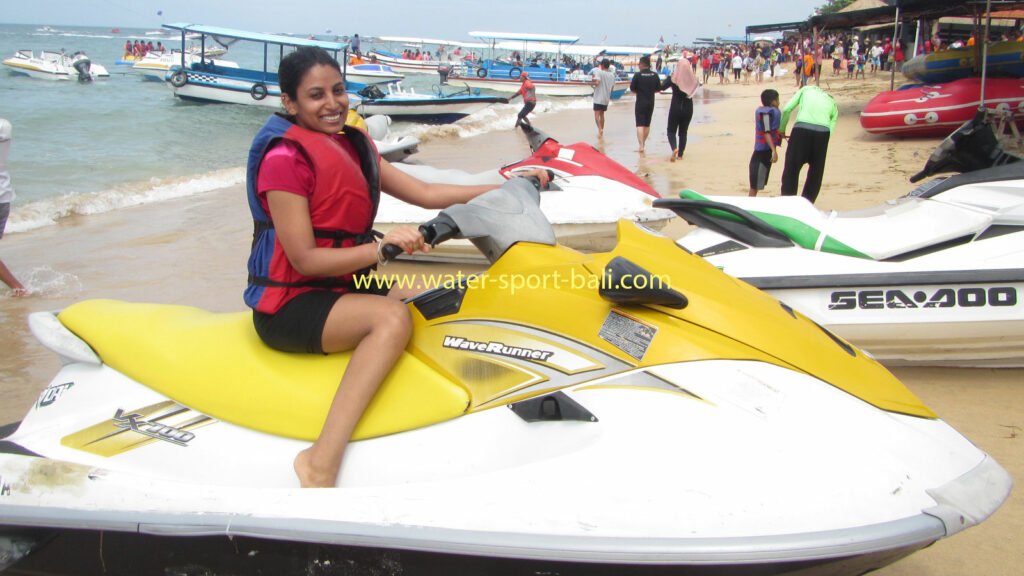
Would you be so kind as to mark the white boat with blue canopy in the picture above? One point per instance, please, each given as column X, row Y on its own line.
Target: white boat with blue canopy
column 557, row 80
column 398, row 62
column 205, row 81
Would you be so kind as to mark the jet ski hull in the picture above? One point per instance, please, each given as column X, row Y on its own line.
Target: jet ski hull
column 924, row 279
column 611, row 432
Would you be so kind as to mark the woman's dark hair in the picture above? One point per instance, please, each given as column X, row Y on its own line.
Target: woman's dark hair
column 294, row 66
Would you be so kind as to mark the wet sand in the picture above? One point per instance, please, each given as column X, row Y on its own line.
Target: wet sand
column 193, row 251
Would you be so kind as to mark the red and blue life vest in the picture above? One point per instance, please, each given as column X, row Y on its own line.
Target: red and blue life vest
column 774, row 121
column 340, row 216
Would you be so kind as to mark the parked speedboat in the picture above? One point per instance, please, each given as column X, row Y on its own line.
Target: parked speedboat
column 359, row 76
column 50, row 65
column 934, row 277
column 411, row 106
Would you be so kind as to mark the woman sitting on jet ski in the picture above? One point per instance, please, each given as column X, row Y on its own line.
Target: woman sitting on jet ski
column 313, row 192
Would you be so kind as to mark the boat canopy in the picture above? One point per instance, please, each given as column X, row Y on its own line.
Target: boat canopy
column 280, row 39
column 432, row 41
column 596, row 50
column 524, row 37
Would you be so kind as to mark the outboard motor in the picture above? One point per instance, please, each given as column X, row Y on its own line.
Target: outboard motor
column 443, row 70
column 371, row 92
column 81, row 63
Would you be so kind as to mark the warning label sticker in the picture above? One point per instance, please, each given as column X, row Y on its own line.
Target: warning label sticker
column 627, row 333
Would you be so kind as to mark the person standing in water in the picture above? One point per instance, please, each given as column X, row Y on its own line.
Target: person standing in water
column 603, row 83
column 529, row 93
column 6, row 197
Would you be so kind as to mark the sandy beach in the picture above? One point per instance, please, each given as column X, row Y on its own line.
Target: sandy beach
column 193, row 251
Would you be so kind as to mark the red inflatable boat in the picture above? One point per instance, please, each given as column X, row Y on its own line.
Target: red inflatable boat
column 939, row 109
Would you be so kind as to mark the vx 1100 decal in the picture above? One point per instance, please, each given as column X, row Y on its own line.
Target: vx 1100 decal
column 163, row 422
column 877, row 299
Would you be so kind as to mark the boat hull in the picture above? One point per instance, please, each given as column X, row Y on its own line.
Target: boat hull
column 128, row 553
column 543, row 87
column 887, row 463
column 427, row 110
column 203, row 87
column 50, row 66
column 938, row 110
column 404, row 65
column 960, row 304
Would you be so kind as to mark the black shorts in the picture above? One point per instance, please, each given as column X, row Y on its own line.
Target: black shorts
column 600, row 107
column 643, row 115
column 5, row 211
column 299, row 325
column 527, row 108
column 760, row 167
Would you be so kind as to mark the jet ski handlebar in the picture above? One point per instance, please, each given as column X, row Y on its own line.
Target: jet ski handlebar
column 445, row 226
column 972, row 146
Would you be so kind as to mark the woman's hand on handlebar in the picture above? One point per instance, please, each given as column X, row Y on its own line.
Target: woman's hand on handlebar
column 407, row 238
column 543, row 176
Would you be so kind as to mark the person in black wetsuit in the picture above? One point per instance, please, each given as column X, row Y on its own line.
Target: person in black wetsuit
column 645, row 84
column 680, row 111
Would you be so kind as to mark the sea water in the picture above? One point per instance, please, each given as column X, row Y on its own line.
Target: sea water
column 87, row 148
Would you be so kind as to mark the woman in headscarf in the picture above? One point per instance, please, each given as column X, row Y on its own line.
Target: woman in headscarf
column 684, row 84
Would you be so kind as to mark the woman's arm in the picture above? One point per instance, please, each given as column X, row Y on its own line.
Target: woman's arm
column 295, row 231
column 435, row 195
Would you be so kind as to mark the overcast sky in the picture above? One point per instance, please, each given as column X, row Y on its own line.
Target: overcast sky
column 595, row 21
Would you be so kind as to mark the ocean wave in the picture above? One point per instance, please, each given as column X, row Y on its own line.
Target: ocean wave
column 49, row 211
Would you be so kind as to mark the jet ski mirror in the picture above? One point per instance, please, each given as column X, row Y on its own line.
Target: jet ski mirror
column 626, row 282
column 493, row 221
column 727, row 220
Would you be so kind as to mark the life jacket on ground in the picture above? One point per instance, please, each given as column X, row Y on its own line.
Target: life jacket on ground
column 761, row 136
column 272, row 279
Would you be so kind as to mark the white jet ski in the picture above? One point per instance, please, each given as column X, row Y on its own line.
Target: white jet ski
column 935, row 277
column 590, row 194
column 631, row 411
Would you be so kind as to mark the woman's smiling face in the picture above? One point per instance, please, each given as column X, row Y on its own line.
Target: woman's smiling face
column 321, row 102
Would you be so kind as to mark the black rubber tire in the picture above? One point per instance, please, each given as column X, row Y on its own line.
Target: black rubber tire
column 258, row 91
column 179, row 79
column 514, row 73
column 481, row 72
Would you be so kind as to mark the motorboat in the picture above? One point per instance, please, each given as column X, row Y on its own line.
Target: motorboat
column 205, row 80
column 590, row 194
column 450, row 52
column 359, row 76
column 575, row 84
column 939, row 109
column 427, row 108
column 935, row 277
column 51, row 65
column 500, row 76
column 155, row 65
column 637, row 412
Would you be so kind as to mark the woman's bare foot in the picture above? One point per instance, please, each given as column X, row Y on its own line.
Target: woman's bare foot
column 672, row 158
column 309, row 476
